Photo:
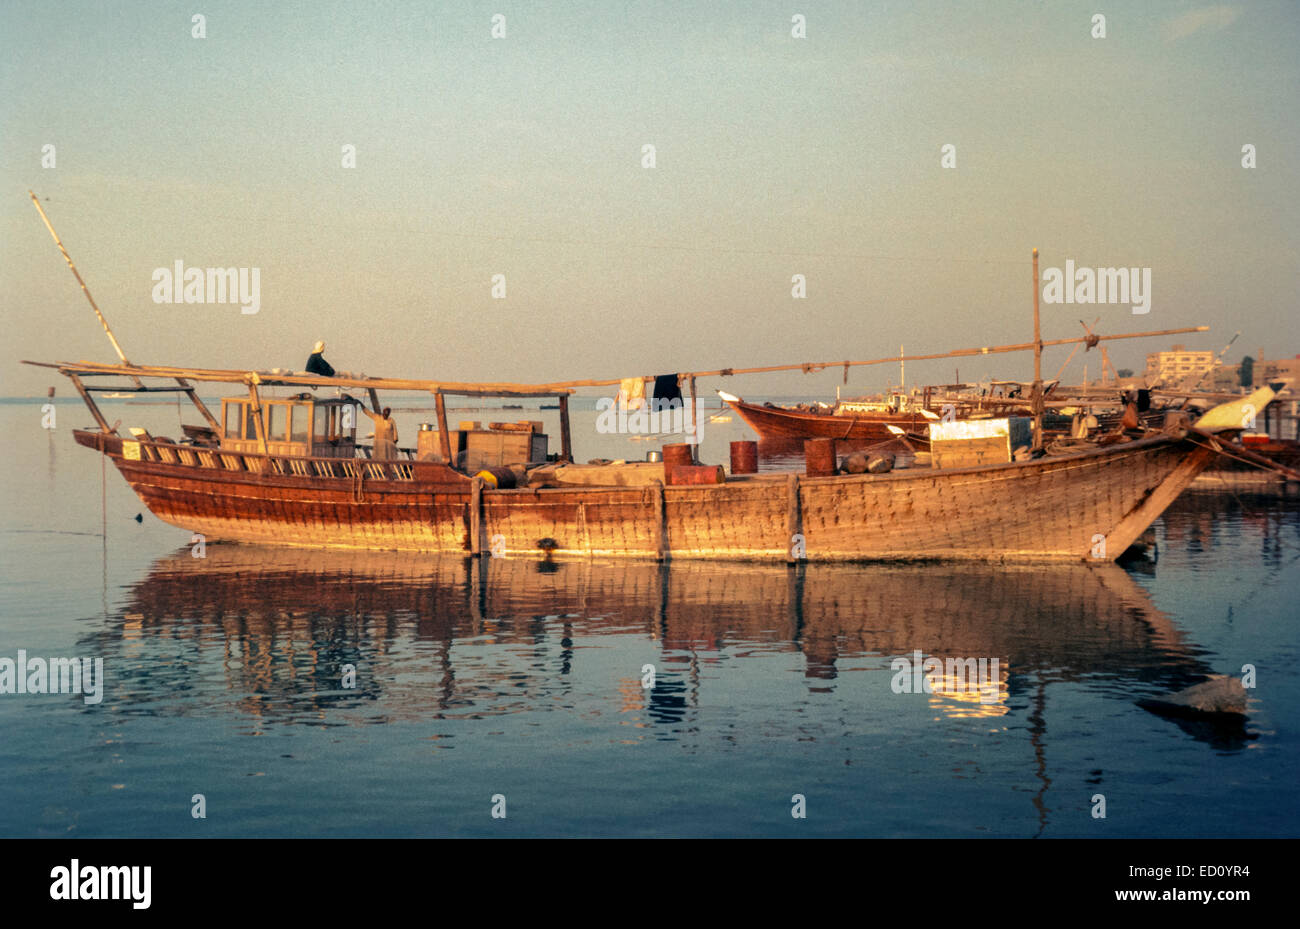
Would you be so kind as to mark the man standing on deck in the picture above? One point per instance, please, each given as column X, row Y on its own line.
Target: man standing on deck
column 385, row 433
column 316, row 363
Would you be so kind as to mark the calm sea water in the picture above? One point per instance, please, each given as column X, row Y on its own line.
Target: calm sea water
column 520, row 679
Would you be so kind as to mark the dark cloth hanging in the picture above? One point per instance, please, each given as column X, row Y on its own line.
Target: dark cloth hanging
column 666, row 390
column 317, row 364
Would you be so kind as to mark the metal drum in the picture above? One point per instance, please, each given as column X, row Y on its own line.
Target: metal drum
column 819, row 457
column 744, row 457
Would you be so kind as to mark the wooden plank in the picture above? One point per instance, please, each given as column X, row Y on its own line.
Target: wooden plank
column 695, row 432
column 794, row 517
column 135, row 390
column 258, row 423
column 659, row 519
column 444, row 437
column 476, row 517
column 566, row 441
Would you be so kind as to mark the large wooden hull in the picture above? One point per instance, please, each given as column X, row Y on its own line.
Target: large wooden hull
column 1055, row 508
column 779, row 423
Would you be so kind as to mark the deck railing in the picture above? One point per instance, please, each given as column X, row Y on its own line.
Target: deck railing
column 352, row 470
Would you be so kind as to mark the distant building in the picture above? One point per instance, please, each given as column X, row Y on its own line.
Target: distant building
column 1228, row 377
column 1280, row 369
column 1180, row 368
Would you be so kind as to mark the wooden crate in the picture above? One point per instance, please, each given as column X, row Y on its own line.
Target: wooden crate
column 476, row 449
column 974, row 442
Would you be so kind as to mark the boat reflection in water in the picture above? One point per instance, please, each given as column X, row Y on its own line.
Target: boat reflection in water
column 439, row 637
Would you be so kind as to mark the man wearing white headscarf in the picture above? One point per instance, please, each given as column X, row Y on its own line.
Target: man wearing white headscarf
column 317, row 364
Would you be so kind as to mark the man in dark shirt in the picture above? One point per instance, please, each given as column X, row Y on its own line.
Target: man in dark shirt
column 317, row 364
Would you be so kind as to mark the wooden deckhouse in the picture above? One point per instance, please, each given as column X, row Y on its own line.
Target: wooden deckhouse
column 302, row 426
column 306, row 424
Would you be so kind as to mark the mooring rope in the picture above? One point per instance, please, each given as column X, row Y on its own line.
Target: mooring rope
column 1219, row 449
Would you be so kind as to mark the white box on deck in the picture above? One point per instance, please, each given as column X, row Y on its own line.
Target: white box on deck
column 970, row 442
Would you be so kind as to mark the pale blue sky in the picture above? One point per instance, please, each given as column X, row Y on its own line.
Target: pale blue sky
column 522, row 156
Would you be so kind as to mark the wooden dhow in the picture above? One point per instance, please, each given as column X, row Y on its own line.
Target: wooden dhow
column 777, row 422
column 288, row 471
column 250, row 487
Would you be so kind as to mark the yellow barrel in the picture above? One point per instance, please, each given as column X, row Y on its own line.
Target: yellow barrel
column 498, row 478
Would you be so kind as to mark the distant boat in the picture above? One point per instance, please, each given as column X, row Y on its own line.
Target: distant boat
column 776, row 422
column 549, row 406
column 870, row 420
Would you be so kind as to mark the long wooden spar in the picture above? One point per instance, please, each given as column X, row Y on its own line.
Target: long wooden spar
column 811, row 367
column 288, row 379
column 75, row 273
column 556, row 388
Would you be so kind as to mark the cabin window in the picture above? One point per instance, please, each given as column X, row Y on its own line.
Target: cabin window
column 275, row 424
column 320, row 423
column 234, row 420
column 250, row 421
column 300, row 423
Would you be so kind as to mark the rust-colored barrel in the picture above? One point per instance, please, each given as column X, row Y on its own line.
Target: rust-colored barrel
column 674, row 455
column 744, row 457
column 819, row 457
column 697, row 474
column 678, row 454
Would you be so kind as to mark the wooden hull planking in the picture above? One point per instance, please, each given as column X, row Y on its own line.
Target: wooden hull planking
column 1049, row 509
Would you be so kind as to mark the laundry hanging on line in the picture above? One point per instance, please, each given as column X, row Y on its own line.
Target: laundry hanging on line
column 667, row 390
column 631, row 393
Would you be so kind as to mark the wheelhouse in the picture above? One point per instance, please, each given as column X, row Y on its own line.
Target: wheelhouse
column 257, row 431
column 301, row 425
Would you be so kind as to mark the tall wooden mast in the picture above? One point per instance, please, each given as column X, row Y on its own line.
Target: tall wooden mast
column 84, row 289
column 1038, row 366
